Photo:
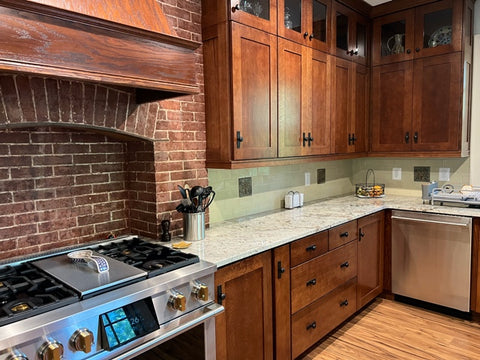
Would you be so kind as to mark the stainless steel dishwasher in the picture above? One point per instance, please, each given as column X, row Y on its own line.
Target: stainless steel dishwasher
column 431, row 258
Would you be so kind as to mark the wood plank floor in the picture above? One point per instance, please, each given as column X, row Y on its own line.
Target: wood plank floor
column 391, row 330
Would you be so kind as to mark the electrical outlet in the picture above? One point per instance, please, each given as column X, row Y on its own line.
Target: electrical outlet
column 307, row 179
column 397, row 174
column 444, row 174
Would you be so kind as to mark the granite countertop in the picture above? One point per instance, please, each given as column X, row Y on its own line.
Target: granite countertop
column 234, row 240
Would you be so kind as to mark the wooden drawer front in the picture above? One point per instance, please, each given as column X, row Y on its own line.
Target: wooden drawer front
column 305, row 249
column 342, row 234
column 315, row 321
column 317, row 277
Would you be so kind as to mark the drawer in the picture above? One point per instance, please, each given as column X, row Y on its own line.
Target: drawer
column 319, row 276
column 342, row 234
column 307, row 248
column 315, row 321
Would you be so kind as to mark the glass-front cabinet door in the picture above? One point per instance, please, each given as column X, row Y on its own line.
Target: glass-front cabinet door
column 393, row 38
column 438, row 28
column 305, row 21
column 260, row 14
column 349, row 34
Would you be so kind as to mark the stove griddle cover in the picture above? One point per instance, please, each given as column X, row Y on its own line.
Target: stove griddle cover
column 86, row 280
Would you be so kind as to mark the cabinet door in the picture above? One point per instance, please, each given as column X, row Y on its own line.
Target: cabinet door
column 281, row 283
column 317, row 119
column 437, row 102
column 361, row 108
column 254, row 82
column 392, row 107
column 342, row 83
column 292, row 77
column 370, row 258
column 349, row 34
column 244, row 330
column 438, row 28
column 260, row 14
column 393, row 38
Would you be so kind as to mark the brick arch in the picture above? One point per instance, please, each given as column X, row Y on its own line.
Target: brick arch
column 29, row 100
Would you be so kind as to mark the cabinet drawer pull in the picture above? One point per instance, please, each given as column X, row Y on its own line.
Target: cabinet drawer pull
column 305, row 35
column 280, row 270
column 220, row 295
column 313, row 325
column 312, row 282
column 344, row 234
column 344, row 303
column 311, row 248
column 239, row 139
column 235, row 8
column 345, row 264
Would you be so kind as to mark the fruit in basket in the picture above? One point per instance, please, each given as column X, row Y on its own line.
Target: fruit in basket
column 377, row 190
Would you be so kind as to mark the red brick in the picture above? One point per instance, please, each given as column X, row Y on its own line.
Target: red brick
column 77, row 99
column 64, row 100
column 51, row 86
column 53, row 204
column 93, row 219
column 91, row 179
column 100, row 104
column 40, row 98
column 112, row 98
column 52, row 160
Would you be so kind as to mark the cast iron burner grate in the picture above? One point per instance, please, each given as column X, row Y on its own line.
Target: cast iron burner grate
column 154, row 258
column 26, row 291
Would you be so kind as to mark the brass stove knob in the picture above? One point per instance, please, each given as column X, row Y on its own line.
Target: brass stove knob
column 177, row 301
column 16, row 355
column 200, row 291
column 51, row 350
column 82, row 340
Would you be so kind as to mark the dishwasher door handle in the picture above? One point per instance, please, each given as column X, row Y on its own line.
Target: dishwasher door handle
column 429, row 221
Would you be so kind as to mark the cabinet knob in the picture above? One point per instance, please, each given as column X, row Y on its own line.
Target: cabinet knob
column 415, row 137
column 220, row 295
column 361, row 235
column 409, row 51
column 239, row 139
column 311, row 37
column 344, row 303
column 280, row 270
column 313, row 325
column 407, row 137
column 417, row 49
column 344, row 234
column 82, row 340
column 310, row 139
column 312, row 282
column 305, row 139
column 305, row 35
column 345, row 264
column 235, row 8
column 311, row 248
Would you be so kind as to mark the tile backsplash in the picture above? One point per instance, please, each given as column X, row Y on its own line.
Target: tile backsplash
column 270, row 184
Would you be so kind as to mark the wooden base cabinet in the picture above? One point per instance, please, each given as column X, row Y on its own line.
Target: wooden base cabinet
column 245, row 329
column 371, row 230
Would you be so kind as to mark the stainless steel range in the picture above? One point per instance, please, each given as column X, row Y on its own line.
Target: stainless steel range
column 114, row 300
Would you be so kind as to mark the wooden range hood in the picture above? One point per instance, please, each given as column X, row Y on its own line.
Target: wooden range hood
column 119, row 42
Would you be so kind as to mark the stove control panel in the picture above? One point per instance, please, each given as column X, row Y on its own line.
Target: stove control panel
column 82, row 340
column 51, row 350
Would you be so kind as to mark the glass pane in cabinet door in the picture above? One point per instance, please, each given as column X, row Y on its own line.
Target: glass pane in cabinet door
column 319, row 21
column 361, row 41
column 342, row 31
column 293, row 15
column 393, row 38
column 259, row 8
column 437, row 28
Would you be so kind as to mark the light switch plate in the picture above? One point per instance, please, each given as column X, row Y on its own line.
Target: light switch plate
column 397, row 174
column 307, row 179
column 444, row 174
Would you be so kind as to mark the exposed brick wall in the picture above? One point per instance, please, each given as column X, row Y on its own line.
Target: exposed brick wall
column 118, row 172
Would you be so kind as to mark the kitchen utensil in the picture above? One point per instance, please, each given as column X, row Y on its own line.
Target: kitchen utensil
column 183, row 192
column 208, row 200
column 196, row 192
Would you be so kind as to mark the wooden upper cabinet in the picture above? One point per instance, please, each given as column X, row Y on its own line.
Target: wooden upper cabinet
column 260, row 14
column 432, row 29
column 350, row 106
column 306, row 22
column 254, row 94
column 350, row 34
column 304, row 100
column 392, row 107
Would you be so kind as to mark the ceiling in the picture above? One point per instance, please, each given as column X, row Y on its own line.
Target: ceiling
column 376, row 2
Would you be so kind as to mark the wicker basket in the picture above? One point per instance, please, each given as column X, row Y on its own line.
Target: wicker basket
column 370, row 190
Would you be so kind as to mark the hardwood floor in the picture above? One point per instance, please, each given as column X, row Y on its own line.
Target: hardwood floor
column 391, row 330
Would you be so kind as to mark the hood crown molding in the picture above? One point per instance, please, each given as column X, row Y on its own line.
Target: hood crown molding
column 56, row 38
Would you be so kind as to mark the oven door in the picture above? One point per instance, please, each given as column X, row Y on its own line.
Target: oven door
column 186, row 337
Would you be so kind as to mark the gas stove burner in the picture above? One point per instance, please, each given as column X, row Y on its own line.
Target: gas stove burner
column 19, row 307
column 155, row 264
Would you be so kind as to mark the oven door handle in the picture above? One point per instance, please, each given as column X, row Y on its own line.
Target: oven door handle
column 208, row 311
